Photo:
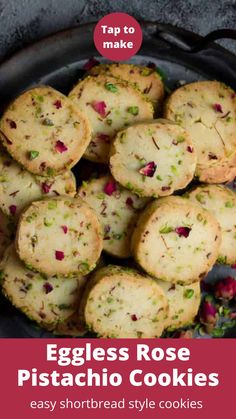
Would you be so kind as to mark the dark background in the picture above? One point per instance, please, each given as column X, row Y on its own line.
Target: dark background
column 23, row 21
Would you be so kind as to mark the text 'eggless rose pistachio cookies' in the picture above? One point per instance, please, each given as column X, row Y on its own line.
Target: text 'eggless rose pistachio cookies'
column 44, row 131
column 153, row 159
column 122, row 303
column 221, row 202
column 207, row 109
column 176, row 241
column 110, row 105
column 59, row 236
column 117, row 210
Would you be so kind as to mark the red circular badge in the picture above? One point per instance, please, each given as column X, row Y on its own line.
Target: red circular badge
column 118, row 36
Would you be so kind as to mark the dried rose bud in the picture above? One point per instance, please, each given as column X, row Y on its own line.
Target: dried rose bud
column 217, row 107
column 226, row 288
column 59, row 255
column 129, row 202
column 60, row 147
column 208, row 313
column 92, row 62
column 46, row 187
column 184, row 334
column 47, row 287
column 57, row 104
column 190, row 149
column 149, row 169
column 110, row 187
column 100, row 108
column 12, row 209
column 233, row 266
column 183, row 231
column 65, row 229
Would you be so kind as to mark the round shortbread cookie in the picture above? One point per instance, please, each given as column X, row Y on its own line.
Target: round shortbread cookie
column 184, row 302
column 110, row 105
column 176, row 241
column 44, row 131
column 221, row 202
column 122, row 303
column 153, row 159
column 18, row 187
column 59, row 236
column 146, row 79
column 117, row 210
column 207, row 109
column 46, row 301
column 5, row 233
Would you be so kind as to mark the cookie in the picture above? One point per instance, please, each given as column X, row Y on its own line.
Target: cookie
column 44, row 131
column 117, row 210
column 153, row 159
column 18, row 187
column 6, row 233
column 221, row 202
column 122, row 303
column 146, row 79
column 207, row 109
column 46, row 301
column 176, row 241
column 110, row 105
column 184, row 302
column 59, row 236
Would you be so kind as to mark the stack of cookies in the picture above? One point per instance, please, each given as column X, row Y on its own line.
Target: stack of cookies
column 159, row 237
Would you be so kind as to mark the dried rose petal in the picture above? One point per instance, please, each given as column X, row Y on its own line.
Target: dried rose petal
column 134, row 317
column 59, row 255
column 212, row 156
column 92, row 62
column 217, row 107
column 100, row 108
column 60, row 147
column 190, row 149
column 233, row 95
column 46, row 187
column 183, row 231
column 104, row 137
column 57, row 104
column 226, row 288
column 165, row 188
column 65, row 229
column 149, row 169
column 208, row 313
column 12, row 124
column 7, row 163
column 129, row 202
column 110, row 187
column 47, row 287
column 12, row 209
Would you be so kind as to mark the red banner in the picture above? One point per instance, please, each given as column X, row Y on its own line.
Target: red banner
column 71, row 378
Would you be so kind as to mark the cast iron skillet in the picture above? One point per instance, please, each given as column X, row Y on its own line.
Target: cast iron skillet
column 58, row 61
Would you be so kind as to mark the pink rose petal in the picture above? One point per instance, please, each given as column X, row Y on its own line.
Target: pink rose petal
column 134, row 317
column 60, row 147
column 92, row 62
column 149, row 169
column 46, row 187
column 190, row 149
column 104, row 137
column 183, row 231
column 57, row 104
column 47, row 287
column 110, row 187
column 100, row 108
column 59, row 255
column 217, row 107
column 65, row 229
column 129, row 202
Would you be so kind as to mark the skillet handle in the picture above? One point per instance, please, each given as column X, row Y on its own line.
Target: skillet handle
column 179, row 40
